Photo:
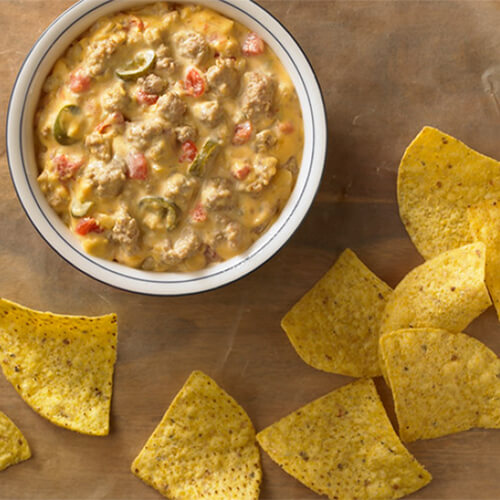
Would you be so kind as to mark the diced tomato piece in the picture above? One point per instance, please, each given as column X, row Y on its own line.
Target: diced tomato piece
column 286, row 127
column 117, row 118
column 242, row 173
column 67, row 168
column 194, row 84
column 253, row 45
column 114, row 118
column 79, row 81
column 199, row 214
column 242, row 133
column 88, row 225
column 189, row 152
column 137, row 166
column 145, row 98
column 213, row 37
column 138, row 22
column 101, row 127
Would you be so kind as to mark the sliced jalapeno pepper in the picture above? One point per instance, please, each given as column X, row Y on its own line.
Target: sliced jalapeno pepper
column 204, row 157
column 68, row 125
column 168, row 208
column 142, row 62
column 80, row 208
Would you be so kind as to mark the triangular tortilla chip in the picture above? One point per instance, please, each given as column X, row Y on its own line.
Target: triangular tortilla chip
column 439, row 178
column 484, row 220
column 204, row 447
column 441, row 382
column 13, row 446
column 343, row 445
column 445, row 292
column 62, row 366
column 334, row 327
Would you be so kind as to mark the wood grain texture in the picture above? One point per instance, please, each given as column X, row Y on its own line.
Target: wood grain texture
column 387, row 68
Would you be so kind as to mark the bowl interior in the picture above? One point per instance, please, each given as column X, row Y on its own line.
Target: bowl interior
column 20, row 145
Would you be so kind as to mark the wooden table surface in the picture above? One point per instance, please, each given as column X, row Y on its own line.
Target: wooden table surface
column 386, row 68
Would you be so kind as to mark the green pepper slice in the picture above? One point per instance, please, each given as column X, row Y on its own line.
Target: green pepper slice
column 168, row 208
column 80, row 208
column 142, row 62
column 67, row 127
column 204, row 157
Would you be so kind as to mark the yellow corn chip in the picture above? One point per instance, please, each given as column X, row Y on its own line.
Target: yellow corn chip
column 442, row 382
column 343, row 445
column 13, row 446
column 335, row 326
column 484, row 219
column 439, row 177
column 204, row 447
column 62, row 366
column 446, row 292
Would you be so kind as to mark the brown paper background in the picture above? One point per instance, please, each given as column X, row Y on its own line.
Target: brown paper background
column 386, row 68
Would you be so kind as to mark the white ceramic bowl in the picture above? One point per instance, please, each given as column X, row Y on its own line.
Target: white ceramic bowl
column 37, row 65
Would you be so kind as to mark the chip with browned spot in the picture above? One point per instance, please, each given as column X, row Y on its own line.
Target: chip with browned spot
column 62, row 366
column 439, row 178
column 442, row 382
column 335, row 326
column 484, row 220
column 343, row 445
column 13, row 445
column 203, row 448
column 446, row 292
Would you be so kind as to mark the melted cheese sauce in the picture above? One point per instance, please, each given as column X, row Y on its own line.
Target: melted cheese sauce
column 144, row 93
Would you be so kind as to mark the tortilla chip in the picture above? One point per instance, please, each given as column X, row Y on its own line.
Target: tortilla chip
column 439, row 177
column 204, row 447
column 343, row 446
column 445, row 292
column 484, row 220
column 334, row 327
column 13, row 446
column 62, row 366
column 442, row 382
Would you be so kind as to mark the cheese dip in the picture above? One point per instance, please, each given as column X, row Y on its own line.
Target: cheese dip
column 168, row 138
